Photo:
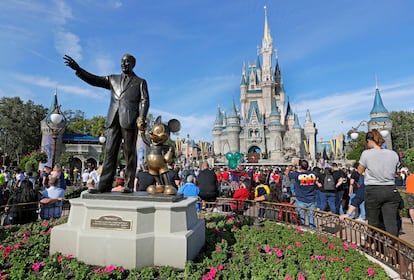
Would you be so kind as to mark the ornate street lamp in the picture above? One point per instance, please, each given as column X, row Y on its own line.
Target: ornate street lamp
column 354, row 135
column 102, row 138
column 56, row 121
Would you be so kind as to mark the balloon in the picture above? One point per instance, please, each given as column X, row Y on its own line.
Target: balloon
column 232, row 164
column 237, row 155
column 229, row 156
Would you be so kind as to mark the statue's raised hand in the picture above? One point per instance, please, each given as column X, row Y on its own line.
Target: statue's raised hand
column 70, row 62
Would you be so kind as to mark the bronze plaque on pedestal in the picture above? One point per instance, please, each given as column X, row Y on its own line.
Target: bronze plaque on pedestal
column 111, row 222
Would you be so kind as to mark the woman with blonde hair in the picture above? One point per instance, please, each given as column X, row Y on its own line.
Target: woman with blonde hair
column 382, row 199
column 58, row 173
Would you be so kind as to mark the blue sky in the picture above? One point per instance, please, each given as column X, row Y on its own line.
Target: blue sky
column 191, row 53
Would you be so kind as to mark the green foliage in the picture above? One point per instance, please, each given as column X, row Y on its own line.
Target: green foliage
column 357, row 146
column 30, row 163
column 14, row 113
column 408, row 159
column 65, row 158
column 402, row 134
column 76, row 123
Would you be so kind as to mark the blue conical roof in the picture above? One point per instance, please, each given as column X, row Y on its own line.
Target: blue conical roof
column 219, row 117
column 233, row 112
column 289, row 111
column 378, row 106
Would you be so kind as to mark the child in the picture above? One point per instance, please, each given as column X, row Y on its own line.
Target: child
column 261, row 192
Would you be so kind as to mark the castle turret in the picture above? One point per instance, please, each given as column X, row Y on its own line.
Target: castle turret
column 217, row 131
column 380, row 118
column 233, row 129
column 276, row 128
column 310, row 135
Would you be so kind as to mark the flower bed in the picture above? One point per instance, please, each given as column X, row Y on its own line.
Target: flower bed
column 234, row 250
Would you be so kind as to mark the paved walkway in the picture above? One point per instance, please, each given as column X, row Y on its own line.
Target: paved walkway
column 407, row 231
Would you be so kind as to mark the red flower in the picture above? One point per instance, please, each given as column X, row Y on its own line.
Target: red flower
column 109, row 269
column 370, row 271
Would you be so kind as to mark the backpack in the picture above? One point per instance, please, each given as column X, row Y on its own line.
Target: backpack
column 329, row 183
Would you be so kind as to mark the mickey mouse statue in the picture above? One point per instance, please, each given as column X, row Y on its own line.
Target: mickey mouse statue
column 159, row 154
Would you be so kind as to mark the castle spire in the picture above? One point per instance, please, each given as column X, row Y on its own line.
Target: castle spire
column 378, row 106
column 266, row 35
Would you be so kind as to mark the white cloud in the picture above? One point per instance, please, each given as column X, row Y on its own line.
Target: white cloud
column 61, row 13
column 68, row 43
column 46, row 82
column 104, row 64
column 199, row 127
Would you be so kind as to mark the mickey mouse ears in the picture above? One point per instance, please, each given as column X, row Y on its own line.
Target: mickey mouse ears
column 174, row 125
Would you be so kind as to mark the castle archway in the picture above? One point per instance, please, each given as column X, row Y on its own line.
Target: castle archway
column 254, row 149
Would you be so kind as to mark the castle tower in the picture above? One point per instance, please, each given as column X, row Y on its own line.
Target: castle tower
column 310, row 135
column 274, row 141
column 217, row 131
column 233, row 129
column 380, row 118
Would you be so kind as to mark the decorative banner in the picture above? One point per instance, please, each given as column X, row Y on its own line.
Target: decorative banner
column 306, row 145
column 333, row 145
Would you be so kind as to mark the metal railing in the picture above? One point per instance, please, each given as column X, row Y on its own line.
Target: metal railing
column 388, row 249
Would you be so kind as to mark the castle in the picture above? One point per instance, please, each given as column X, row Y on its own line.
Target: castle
column 262, row 125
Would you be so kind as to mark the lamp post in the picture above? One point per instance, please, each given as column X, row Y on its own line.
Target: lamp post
column 354, row 135
column 56, row 121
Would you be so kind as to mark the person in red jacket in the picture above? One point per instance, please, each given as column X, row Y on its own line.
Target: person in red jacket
column 240, row 195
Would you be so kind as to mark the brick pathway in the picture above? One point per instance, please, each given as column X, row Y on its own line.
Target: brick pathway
column 407, row 231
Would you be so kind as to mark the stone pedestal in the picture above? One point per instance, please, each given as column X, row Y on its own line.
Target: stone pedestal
column 130, row 230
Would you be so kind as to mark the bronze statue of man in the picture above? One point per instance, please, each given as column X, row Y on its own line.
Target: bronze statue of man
column 126, row 115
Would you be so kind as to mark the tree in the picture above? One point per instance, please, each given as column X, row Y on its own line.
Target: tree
column 408, row 159
column 20, row 126
column 76, row 123
column 402, row 134
column 357, row 146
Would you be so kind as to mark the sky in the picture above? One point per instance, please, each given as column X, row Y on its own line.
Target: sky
column 191, row 52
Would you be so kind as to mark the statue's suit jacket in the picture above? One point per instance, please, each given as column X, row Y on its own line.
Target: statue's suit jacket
column 130, row 100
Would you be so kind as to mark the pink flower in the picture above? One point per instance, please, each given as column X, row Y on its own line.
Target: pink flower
column 218, row 249
column 301, row 277
column 121, row 269
column 287, row 277
column 331, row 246
column 323, row 277
column 109, row 269
column 70, row 256
column 37, row 265
column 370, row 271
column 268, row 250
column 279, row 254
column 298, row 244
column 347, row 269
column 212, row 273
column 220, row 267
column 60, row 258
column 354, row 246
column 206, row 278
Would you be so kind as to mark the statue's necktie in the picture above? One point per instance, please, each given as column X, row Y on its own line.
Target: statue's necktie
column 124, row 81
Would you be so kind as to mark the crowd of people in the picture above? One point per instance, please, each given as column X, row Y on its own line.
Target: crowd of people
column 24, row 197
column 366, row 191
